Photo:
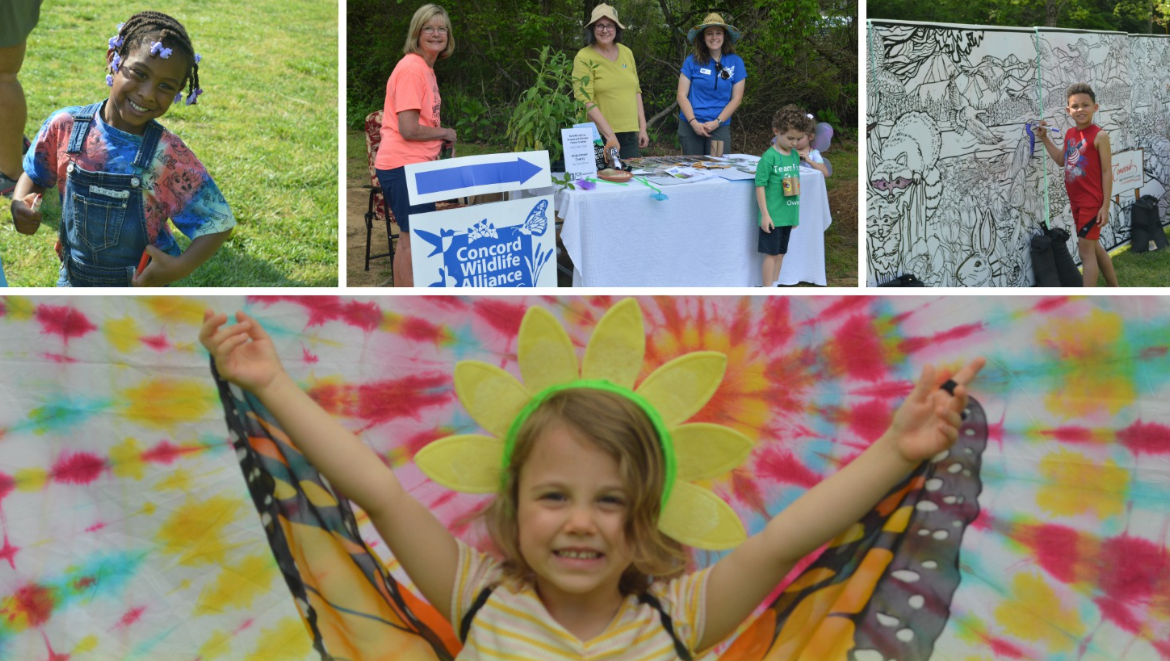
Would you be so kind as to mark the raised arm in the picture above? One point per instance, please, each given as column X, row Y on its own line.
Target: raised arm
column 926, row 424
column 1049, row 146
column 245, row 356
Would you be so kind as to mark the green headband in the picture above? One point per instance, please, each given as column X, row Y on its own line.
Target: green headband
column 664, row 440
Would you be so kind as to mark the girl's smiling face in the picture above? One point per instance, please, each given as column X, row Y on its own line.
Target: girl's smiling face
column 144, row 88
column 713, row 37
column 571, row 513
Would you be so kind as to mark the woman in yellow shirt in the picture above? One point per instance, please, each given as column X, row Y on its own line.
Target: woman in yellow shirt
column 612, row 95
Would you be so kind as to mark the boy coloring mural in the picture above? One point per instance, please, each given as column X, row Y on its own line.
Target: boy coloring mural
column 778, row 190
column 1088, row 177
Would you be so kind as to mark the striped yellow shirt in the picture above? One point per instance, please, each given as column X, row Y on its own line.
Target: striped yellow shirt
column 515, row 626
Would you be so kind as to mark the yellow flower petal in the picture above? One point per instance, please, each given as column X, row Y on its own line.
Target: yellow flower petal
column 696, row 517
column 617, row 347
column 545, row 352
column 467, row 463
column 489, row 394
column 705, row 450
column 681, row 387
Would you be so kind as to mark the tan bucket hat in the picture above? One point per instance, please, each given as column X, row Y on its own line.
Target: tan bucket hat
column 604, row 11
column 713, row 20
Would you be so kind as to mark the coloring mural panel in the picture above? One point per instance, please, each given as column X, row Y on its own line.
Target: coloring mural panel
column 958, row 184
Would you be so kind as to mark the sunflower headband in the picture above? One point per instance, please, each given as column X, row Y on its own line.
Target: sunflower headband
column 500, row 404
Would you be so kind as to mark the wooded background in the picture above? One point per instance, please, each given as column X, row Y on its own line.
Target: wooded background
column 796, row 51
column 1133, row 16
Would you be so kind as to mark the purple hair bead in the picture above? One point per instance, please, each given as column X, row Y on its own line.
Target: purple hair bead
column 116, row 62
column 197, row 58
column 194, row 96
column 178, row 97
column 157, row 50
column 116, row 41
column 109, row 80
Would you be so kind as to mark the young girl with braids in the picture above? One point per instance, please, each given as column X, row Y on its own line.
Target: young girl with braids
column 596, row 491
column 121, row 175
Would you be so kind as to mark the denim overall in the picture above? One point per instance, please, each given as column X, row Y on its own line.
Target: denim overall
column 103, row 226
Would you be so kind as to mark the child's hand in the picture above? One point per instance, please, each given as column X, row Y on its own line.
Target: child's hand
column 766, row 224
column 24, row 216
column 1103, row 214
column 243, row 352
column 928, row 421
column 1041, row 131
column 163, row 269
column 804, row 153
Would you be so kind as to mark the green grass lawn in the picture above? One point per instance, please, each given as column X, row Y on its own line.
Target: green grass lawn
column 265, row 128
column 1149, row 269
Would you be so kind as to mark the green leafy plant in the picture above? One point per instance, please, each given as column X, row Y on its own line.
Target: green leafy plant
column 548, row 106
column 474, row 123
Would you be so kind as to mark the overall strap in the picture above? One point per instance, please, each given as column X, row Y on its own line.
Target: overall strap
column 683, row 652
column 150, row 140
column 82, row 120
column 465, row 624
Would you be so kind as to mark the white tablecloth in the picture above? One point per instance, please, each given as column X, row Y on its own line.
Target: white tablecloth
column 703, row 236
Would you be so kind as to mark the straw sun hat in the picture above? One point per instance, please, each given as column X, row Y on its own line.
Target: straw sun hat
column 712, row 20
column 604, row 11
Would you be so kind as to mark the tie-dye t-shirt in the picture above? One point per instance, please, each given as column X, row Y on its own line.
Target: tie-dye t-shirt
column 176, row 185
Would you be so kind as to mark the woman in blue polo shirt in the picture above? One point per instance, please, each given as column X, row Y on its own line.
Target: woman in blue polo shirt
column 710, row 87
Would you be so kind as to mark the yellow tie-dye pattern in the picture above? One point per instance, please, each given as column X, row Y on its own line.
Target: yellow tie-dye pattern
column 30, row 479
column 1078, row 484
column 18, row 308
column 175, row 308
column 165, row 403
column 195, row 531
column 179, row 480
column 218, row 645
column 238, row 586
column 126, row 458
column 122, row 334
column 87, row 644
column 1094, row 379
column 289, row 639
column 1033, row 612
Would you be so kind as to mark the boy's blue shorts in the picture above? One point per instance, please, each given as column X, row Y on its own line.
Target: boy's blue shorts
column 774, row 242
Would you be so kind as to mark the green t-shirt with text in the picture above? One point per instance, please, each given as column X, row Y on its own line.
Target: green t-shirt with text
column 770, row 173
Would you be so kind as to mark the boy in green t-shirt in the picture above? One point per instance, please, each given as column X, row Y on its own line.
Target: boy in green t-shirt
column 778, row 189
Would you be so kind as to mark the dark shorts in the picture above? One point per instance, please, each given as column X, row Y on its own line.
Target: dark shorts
column 628, row 144
column 694, row 144
column 1082, row 217
column 774, row 242
column 17, row 19
column 394, row 190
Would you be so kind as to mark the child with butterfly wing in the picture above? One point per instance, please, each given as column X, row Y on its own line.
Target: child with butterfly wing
column 595, row 491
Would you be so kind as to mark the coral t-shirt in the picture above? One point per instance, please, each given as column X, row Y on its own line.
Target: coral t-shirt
column 1082, row 168
column 412, row 86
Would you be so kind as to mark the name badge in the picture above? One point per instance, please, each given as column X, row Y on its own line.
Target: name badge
column 705, row 72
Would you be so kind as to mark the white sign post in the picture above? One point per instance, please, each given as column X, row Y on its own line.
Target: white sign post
column 580, row 161
column 503, row 244
column 1128, row 171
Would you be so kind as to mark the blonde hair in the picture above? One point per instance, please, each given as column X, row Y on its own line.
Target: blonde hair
column 421, row 17
column 618, row 427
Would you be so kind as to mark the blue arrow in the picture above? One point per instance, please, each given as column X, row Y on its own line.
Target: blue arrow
column 466, row 176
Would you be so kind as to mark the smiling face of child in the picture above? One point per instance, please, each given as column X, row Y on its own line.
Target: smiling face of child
column 144, row 88
column 1081, row 108
column 572, row 509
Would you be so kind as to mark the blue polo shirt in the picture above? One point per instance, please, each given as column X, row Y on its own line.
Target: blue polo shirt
column 710, row 93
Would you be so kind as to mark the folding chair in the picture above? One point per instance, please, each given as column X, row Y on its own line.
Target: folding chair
column 377, row 209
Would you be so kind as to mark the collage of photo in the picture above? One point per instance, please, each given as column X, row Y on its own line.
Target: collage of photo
column 738, row 438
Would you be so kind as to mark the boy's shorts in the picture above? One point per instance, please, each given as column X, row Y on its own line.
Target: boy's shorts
column 1082, row 217
column 774, row 242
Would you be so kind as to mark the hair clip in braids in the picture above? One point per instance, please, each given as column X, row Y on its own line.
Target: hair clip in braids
column 197, row 58
column 109, row 80
column 116, row 62
column 193, row 97
column 157, row 50
column 116, row 41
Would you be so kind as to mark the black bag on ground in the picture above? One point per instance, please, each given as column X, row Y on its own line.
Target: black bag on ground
column 904, row 280
column 1043, row 262
column 1145, row 226
column 1066, row 268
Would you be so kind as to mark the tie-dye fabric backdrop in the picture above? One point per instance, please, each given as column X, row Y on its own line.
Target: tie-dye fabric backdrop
column 128, row 533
